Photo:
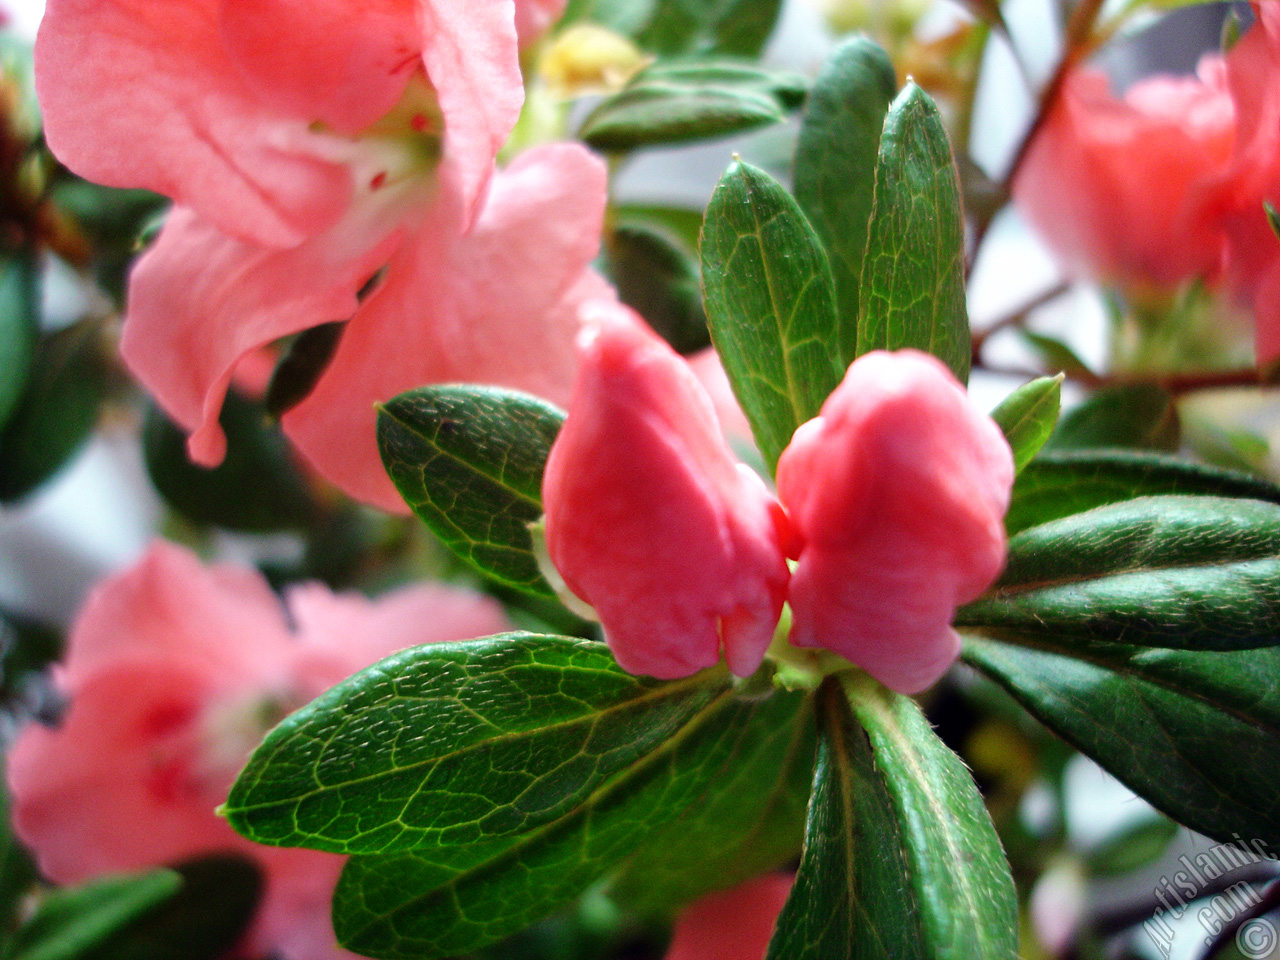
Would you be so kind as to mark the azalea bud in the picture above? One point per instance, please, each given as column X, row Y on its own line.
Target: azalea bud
column 650, row 519
column 896, row 493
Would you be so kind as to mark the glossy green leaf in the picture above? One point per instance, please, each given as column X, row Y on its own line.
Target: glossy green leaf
column 657, row 277
column 1027, row 416
column 70, row 924
column 912, row 289
column 1057, row 485
column 19, row 326
column 57, row 411
column 1194, row 573
column 835, row 170
column 450, row 901
column 736, row 28
column 752, row 822
column 1142, row 417
column 770, row 303
column 901, row 860
column 456, row 744
column 680, row 102
column 257, row 487
column 469, row 461
column 1195, row 734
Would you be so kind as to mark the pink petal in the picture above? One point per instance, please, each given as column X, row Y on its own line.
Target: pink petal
column 340, row 634
column 897, row 491
column 533, row 17
column 496, row 305
column 339, row 62
column 143, row 94
column 734, row 924
column 649, row 518
column 471, row 54
column 199, row 300
column 1117, row 187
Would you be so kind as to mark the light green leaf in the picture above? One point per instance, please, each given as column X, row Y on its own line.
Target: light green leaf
column 679, row 102
column 770, row 303
column 469, row 460
column 1027, row 417
column 1195, row 734
column 1057, row 485
column 836, row 166
column 456, row 744
column 1193, row 573
column 450, row 901
column 901, row 861
column 912, row 290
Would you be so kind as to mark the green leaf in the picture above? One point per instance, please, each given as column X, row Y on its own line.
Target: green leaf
column 836, row 166
column 1196, row 735
column 19, row 326
column 656, row 276
column 770, row 303
column 1027, row 417
column 729, row 27
column 752, row 821
column 17, row 872
column 450, row 901
column 901, row 861
column 912, row 288
column 679, row 102
column 469, row 460
column 1193, row 573
column 483, row 739
column 301, row 366
column 69, row 924
column 57, row 411
column 1057, row 485
column 1054, row 353
column 1140, row 417
column 257, row 487
column 1132, row 848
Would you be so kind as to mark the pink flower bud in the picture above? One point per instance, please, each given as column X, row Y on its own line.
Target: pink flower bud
column 649, row 517
column 734, row 924
column 896, row 494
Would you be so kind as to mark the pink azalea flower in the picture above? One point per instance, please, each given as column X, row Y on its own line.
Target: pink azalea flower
column 175, row 671
column 896, row 493
column 650, row 519
column 1116, row 185
column 733, row 924
column 309, row 146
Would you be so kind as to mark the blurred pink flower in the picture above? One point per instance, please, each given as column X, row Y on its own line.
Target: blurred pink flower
column 896, row 494
column 733, row 924
column 310, row 146
column 175, row 671
column 651, row 520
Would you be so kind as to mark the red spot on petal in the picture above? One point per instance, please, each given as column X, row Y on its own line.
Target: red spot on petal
column 377, row 182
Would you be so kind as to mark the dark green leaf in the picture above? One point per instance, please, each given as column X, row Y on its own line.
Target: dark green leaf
column 202, row 921
column 912, row 289
column 257, row 487
column 456, row 744
column 657, row 278
column 469, row 461
column 836, row 165
column 901, row 861
column 301, row 366
column 730, row 27
column 1193, row 573
column 1132, row 848
column 751, row 822
column 1195, row 734
column 19, row 326
column 1027, row 417
column 449, row 901
column 770, row 303
column 1057, row 485
column 57, row 410
column 69, row 924
column 679, row 102
column 1140, row 417
column 17, row 872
